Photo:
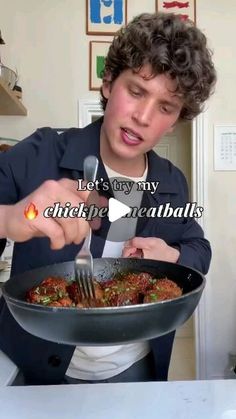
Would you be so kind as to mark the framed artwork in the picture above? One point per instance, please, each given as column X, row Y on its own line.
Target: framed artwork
column 185, row 9
column 105, row 17
column 97, row 53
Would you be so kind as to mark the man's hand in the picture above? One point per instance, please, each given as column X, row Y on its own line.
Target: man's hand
column 150, row 248
column 61, row 231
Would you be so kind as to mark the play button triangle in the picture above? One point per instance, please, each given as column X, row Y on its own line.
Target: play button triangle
column 116, row 209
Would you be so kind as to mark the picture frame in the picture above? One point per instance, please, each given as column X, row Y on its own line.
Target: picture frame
column 186, row 9
column 105, row 17
column 97, row 53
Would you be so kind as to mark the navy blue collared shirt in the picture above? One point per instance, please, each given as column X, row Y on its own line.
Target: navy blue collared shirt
column 47, row 155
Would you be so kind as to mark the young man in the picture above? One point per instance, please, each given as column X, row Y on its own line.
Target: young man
column 158, row 71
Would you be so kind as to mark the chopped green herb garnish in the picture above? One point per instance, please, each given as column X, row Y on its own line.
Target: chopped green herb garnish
column 153, row 296
column 46, row 300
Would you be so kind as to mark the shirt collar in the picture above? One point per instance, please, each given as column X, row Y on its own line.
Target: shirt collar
column 81, row 143
column 161, row 170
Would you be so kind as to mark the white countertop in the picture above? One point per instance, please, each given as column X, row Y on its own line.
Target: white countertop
column 8, row 371
column 171, row 400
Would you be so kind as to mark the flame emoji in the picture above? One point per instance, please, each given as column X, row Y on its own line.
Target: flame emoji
column 31, row 212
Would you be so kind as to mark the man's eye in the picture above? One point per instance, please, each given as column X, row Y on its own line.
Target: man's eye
column 135, row 93
column 165, row 109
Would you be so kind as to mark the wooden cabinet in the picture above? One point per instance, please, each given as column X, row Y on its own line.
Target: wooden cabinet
column 9, row 103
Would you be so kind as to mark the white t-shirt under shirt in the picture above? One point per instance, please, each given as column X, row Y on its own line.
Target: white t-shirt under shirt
column 103, row 362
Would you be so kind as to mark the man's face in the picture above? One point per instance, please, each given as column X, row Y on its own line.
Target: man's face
column 139, row 112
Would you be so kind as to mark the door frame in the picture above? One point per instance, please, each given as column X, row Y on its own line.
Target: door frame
column 87, row 108
column 199, row 186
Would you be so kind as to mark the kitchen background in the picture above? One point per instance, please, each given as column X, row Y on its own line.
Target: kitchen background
column 47, row 43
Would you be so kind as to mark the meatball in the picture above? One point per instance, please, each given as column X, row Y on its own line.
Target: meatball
column 121, row 293
column 163, row 289
column 49, row 290
column 75, row 295
column 62, row 302
column 141, row 281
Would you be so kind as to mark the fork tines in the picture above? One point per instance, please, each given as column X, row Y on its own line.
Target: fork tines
column 85, row 284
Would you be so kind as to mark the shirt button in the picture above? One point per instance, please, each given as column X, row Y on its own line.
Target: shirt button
column 54, row 360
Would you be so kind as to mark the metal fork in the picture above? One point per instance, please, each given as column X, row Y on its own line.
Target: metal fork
column 84, row 259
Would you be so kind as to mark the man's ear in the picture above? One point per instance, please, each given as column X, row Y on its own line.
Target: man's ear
column 106, row 85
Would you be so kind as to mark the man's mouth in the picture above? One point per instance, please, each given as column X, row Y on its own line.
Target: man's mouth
column 131, row 137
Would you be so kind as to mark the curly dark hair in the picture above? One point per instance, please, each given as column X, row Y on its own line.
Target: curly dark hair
column 170, row 45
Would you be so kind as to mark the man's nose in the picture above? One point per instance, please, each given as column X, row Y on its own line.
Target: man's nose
column 143, row 114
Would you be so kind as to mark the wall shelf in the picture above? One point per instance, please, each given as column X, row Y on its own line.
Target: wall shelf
column 9, row 103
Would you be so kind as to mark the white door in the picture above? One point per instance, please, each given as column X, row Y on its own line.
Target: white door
column 176, row 147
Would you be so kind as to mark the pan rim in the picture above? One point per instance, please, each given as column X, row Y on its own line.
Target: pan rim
column 103, row 310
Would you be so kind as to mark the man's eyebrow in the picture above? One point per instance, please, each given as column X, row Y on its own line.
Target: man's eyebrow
column 137, row 85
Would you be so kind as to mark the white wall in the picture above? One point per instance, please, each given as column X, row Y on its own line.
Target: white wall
column 47, row 44
column 217, row 19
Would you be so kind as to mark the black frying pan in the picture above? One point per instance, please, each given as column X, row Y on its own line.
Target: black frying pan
column 109, row 325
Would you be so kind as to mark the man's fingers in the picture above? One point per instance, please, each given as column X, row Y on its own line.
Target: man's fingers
column 84, row 195
column 138, row 254
column 56, row 205
column 138, row 242
column 60, row 235
column 100, row 202
column 72, row 186
column 60, row 229
column 128, row 251
column 132, row 252
column 54, row 232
